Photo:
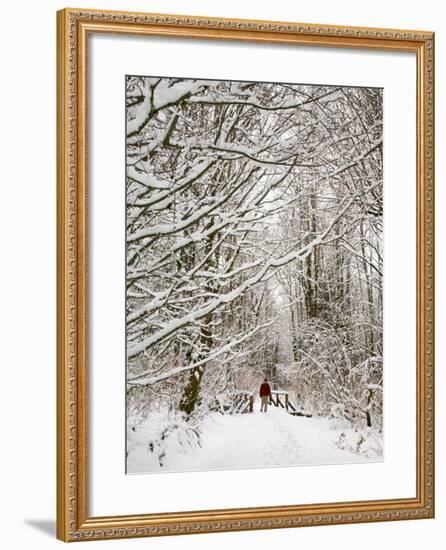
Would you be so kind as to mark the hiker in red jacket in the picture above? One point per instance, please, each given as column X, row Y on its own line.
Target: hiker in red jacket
column 265, row 392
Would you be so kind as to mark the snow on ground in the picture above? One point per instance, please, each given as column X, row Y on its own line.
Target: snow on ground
column 254, row 440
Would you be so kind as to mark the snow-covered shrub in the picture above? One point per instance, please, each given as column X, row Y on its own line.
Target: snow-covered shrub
column 336, row 379
column 363, row 442
column 222, row 403
column 161, row 435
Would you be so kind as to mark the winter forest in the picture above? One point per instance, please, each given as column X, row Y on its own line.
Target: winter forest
column 254, row 250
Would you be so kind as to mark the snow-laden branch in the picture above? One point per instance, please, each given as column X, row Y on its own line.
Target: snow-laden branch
column 171, row 228
column 146, row 378
column 225, row 299
column 161, row 95
column 290, row 105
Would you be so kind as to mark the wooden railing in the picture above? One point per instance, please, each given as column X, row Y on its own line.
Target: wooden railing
column 280, row 398
column 275, row 399
column 243, row 403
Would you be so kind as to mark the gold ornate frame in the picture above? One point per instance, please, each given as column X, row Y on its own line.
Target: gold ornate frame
column 73, row 520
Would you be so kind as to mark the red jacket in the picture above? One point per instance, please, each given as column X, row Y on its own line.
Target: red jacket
column 265, row 389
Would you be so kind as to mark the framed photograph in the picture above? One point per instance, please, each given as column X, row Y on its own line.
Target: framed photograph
column 245, row 275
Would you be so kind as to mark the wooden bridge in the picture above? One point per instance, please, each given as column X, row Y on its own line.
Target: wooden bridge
column 244, row 403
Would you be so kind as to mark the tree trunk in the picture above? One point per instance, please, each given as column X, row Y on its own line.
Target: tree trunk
column 190, row 396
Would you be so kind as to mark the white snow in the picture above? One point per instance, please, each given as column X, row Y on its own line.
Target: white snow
column 254, row 440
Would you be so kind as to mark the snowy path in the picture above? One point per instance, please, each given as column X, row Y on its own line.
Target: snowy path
column 248, row 441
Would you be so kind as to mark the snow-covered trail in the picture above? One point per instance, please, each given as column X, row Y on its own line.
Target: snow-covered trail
column 275, row 438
